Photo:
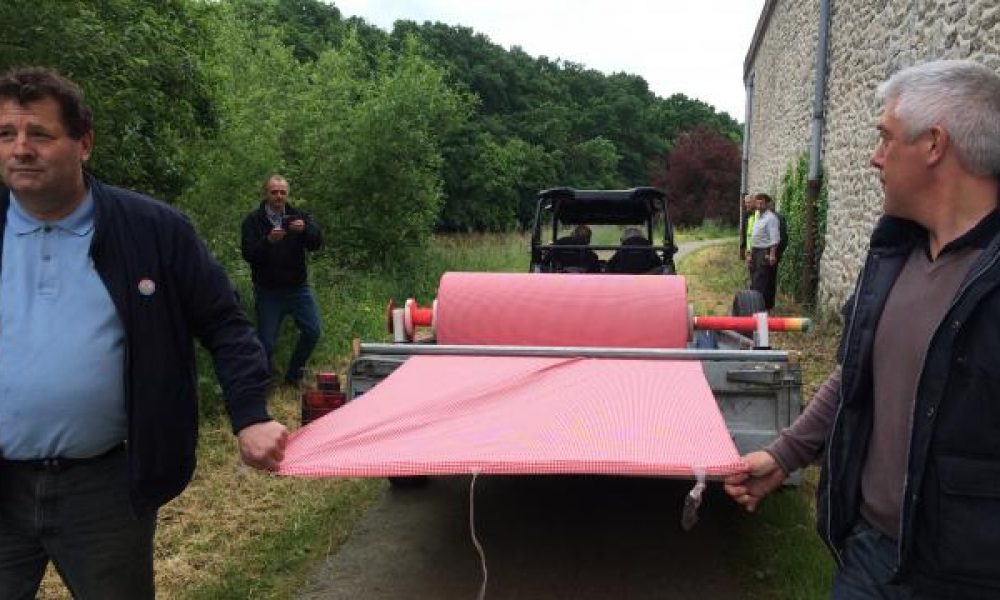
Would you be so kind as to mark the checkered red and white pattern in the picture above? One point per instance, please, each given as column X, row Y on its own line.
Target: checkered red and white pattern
column 444, row 415
column 547, row 309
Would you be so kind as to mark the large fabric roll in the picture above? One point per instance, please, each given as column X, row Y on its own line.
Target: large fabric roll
column 537, row 309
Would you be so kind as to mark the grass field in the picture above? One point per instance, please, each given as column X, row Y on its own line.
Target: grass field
column 236, row 533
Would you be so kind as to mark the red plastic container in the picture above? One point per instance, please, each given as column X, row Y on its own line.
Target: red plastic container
column 317, row 403
column 328, row 381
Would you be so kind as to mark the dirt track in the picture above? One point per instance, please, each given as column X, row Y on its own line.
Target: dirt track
column 580, row 537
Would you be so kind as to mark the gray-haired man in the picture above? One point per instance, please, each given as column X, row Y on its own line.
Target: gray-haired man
column 909, row 423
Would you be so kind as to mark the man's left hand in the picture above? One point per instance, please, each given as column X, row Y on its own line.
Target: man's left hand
column 761, row 476
column 262, row 445
column 297, row 225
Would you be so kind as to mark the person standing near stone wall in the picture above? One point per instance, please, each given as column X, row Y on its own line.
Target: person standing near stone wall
column 764, row 241
column 907, row 423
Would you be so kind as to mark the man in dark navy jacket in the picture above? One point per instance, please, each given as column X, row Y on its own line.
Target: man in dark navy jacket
column 275, row 239
column 908, row 424
column 103, row 291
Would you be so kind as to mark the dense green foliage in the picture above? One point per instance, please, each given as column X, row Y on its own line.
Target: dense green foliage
column 139, row 64
column 385, row 136
column 791, row 198
column 543, row 123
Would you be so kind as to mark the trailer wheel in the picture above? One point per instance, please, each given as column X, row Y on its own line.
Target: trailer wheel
column 408, row 483
column 747, row 303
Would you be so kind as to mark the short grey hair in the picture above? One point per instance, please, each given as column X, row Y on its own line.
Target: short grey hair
column 961, row 96
column 275, row 176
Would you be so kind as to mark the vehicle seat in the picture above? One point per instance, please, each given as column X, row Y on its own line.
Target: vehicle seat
column 637, row 258
column 573, row 260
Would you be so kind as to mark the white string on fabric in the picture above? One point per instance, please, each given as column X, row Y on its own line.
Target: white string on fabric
column 475, row 540
column 689, row 516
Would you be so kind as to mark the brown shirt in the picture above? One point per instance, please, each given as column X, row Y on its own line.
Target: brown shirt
column 922, row 294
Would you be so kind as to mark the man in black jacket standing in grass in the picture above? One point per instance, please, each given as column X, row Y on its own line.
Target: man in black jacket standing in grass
column 276, row 238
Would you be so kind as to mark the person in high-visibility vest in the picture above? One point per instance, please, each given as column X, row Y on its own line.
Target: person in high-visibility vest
column 750, row 215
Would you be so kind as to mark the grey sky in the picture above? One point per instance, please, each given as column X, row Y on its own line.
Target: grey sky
column 693, row 47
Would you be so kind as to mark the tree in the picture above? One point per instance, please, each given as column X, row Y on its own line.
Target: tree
column 254, row 78
column 678, row 113
column 369, row 146
column 196, row 102
column 138, row 64
column 587, row 128
column 358, row 135
column 592, row 164
column 483, row 177
column 701, row 176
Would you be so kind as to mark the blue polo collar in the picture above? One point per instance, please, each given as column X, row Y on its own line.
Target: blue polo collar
column 80, row 222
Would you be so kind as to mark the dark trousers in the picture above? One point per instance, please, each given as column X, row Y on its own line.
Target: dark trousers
column 763, row 276
column 869, row 561
column 272, row 307
column 79, row 517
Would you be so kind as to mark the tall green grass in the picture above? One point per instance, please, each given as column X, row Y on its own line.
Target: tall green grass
column 509, row 252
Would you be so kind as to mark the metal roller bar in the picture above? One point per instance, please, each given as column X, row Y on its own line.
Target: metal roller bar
column 575, row 351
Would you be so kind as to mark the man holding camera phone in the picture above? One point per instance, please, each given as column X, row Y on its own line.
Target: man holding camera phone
column 275, row 240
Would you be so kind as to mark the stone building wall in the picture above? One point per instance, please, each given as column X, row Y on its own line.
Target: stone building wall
column 784, row 67
column 869, row 40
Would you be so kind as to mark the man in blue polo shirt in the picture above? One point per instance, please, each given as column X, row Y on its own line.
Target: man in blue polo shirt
column 102, row 292
column 52, row 286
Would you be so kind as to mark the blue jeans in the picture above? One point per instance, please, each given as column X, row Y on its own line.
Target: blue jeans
column 869, row 561
column 79, row 517
column 272, row 307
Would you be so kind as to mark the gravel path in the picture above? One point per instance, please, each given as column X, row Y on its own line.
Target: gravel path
column 689, row 247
